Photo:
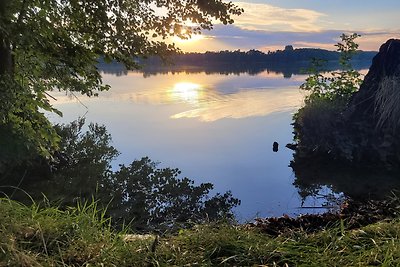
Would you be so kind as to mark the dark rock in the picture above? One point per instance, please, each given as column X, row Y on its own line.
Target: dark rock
column 373, row 136
column 385, row 64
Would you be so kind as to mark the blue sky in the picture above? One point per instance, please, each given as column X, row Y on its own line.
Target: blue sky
column 270, row 25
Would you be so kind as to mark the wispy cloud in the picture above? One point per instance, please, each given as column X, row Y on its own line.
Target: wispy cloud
column 272, row 18
column 269, row 27
column 373, row 40
column 234, row 37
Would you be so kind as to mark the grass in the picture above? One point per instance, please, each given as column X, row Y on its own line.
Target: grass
column 48, row 236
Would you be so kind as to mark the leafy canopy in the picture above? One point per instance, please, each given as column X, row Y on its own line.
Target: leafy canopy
column 55, row 44
column 337, row 85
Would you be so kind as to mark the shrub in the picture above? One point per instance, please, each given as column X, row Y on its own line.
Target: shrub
column 317, row 124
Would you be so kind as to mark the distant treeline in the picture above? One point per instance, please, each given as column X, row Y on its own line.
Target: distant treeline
column 287, row 55
column 288, row 62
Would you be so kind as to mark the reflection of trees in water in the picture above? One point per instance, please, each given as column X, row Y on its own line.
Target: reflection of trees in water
column 116, row 69
column 287, row 69
column 315, row 173
column 149, row 197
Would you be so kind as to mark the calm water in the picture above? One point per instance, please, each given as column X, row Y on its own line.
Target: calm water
column 216, row 128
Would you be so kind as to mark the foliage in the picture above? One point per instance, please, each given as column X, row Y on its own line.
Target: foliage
column 147, row 197
column 318, row 125
column 319, row 118
column 338, row 84
column 55, row 45
column 47, row 236
column 24, row 129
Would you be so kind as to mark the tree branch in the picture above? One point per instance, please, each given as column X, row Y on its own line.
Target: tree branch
column 22, row 13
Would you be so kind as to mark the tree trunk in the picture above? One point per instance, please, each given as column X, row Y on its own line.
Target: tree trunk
column 6, row 66
column 6, row 59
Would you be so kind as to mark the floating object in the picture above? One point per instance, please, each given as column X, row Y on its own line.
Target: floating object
column 275, row 147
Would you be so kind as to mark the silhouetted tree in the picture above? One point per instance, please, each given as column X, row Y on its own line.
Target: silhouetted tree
column 54, row 45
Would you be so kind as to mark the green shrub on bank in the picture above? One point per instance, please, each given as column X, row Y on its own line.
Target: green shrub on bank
column 316, row 124
column 35, row 236
column 340, row 84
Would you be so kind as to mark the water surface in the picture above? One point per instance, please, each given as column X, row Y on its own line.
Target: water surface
column 216, row 128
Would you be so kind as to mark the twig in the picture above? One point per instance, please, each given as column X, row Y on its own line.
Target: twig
column 52, row 97
column 78, row 100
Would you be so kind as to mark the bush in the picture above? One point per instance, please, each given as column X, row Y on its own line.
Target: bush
column 317, row 125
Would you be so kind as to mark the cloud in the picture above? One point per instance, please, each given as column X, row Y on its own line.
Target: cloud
column 272, row 18
column 309, row 44
column 373, row 40
column 267, row 27
column 233, row 37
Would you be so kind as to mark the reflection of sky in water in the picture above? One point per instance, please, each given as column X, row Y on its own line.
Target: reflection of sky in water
column 215, row 128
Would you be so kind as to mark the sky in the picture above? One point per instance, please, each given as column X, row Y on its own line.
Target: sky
column 272, row 24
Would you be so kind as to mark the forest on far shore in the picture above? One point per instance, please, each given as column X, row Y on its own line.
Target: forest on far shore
column 289, row 54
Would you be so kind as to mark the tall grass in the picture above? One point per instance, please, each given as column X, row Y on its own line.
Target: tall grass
column 47, row 236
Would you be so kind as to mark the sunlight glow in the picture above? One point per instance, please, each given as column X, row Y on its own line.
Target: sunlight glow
column 186, row 91
column 245, row 103
column 193, row 38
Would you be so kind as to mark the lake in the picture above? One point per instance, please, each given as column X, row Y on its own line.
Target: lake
column 215, row 127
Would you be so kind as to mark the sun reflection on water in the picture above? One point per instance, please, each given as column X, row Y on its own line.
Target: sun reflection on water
column 207, row 98
column 187, row 92
column 244, row 104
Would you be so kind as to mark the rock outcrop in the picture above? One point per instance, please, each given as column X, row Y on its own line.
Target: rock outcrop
column 373, row 116
column 386, row 64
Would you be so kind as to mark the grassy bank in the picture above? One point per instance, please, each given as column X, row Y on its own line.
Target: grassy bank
column 33, row 236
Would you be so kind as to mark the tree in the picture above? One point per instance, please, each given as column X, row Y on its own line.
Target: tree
column 50, row 45
column 289, row 48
